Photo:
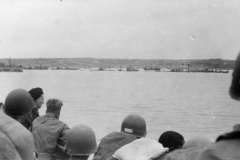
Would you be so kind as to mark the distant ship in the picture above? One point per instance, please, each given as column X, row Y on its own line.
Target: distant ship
column 157, row 69
column 132, row 69
column 37, row 67
column 120, row 69
column 99, row 69
column 102, row 69
column 109, row 69
column 225, row 71
column 62, row 68
column 199, row 70
column 10, row 67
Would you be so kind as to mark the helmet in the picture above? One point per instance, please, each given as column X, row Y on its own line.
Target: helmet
column 135, row 125
column 18, row 103
column 81, row 140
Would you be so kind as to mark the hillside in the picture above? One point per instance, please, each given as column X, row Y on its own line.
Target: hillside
column 115, row 63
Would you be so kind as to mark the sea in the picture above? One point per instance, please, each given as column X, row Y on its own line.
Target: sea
column 192, row 104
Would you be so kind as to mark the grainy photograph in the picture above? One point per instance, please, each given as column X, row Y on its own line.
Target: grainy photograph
column 119, row 79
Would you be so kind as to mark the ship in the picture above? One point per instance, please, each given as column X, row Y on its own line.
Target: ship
column 132, row 69
column 157, row 69
column 120, row 69
column 99, row 69
column 10, row 67
column 102, row 69
column 36, row 67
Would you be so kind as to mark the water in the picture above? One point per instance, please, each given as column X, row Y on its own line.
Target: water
column 189, row 103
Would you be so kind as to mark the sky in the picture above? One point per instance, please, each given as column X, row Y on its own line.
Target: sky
column 127, row 29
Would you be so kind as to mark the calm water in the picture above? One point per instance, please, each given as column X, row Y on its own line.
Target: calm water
column 189, row 103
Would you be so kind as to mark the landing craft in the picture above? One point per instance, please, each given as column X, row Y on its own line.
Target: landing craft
column 120, row 68
column 110, row 69
column 157, row 69
column 131, row 69
column 100, row 69
column 10, row 67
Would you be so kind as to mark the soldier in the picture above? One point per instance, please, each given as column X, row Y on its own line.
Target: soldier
column 16, row 141
column 38, row 97
column 227, row 145
column 49, row 132
column 81, row 142
column 133, row 127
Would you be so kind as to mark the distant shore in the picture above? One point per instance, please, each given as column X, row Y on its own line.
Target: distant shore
column 78, row 63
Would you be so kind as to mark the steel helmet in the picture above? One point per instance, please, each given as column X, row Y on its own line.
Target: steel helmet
column 81, row 140
column 18, row 103
column 135, row 125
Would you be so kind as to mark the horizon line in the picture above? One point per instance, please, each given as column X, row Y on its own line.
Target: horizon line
column 120, row 58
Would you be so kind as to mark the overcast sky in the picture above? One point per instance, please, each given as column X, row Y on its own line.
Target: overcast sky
column 142, row 29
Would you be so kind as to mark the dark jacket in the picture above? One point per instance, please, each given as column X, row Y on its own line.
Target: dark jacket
column 16, row 142
column 48, row 133
column 27, row 120
column 110, row 143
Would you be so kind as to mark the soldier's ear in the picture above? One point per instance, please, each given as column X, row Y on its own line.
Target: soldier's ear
column 234, row 90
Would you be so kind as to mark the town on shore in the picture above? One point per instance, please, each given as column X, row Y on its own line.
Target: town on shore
column 108, row 64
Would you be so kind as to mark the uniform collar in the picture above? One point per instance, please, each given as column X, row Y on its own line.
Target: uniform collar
column 52, row 115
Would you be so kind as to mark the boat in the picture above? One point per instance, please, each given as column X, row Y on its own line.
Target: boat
column 109, row 69
column 40, row 67
column 100, row 69
column 225, row 71
column 221, row 71
column 120, row 68
column 131, row 69
column 62, row 68
column 157, row 69
column 10, row 67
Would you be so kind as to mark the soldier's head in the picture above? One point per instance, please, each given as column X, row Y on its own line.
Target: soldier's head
column 81, row 142
column 54, row 106
column 171, row 140
column 18, row 103
column 134, row 125
column 38, row 96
